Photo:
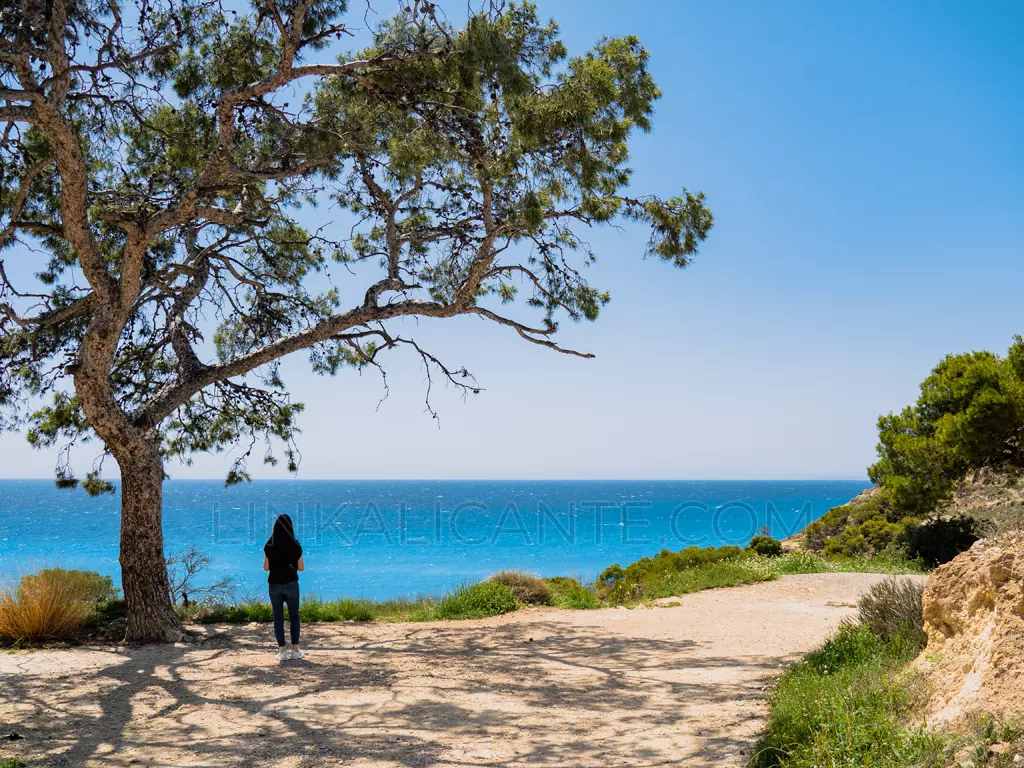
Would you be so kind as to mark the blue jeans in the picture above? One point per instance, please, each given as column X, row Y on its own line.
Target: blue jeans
column 279, row 595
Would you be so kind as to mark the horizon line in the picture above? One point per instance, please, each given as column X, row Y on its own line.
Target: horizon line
column 498, row 479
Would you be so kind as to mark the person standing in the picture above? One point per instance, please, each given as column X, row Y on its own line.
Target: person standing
column 282, row 560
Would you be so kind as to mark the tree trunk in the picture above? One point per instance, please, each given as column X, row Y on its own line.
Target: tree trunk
column 143, row 568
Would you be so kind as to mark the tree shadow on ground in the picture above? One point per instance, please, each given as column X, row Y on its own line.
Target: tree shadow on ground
column 531, row 693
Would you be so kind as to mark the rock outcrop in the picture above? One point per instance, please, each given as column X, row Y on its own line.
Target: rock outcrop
column 974, row 617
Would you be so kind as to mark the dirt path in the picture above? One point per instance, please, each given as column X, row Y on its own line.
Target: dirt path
column 675, row 686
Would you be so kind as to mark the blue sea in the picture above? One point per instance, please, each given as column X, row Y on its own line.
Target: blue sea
column 383, row 539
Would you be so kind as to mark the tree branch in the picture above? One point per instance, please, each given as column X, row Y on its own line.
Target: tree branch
column 526, row 332
column 7, row 233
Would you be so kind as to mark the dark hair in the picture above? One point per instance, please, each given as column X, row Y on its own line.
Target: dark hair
column 284, row 531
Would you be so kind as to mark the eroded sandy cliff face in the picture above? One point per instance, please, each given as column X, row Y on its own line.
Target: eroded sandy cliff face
column 974, row 617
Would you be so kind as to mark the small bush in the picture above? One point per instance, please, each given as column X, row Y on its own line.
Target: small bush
column 567, row 592
column 939, row 540
column 45, row 606
column 611, row 575
column 765, row 545
column 259, row 611
column 11, row 762
column 474, row 601
column 109, row 610
column 527, row 588
column 109, row 617
column 87, row 586
column 892, row 609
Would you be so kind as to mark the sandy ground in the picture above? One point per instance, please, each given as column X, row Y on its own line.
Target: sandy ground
column 680, row 685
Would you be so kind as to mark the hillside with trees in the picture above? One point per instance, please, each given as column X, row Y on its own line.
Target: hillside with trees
column 949, row 465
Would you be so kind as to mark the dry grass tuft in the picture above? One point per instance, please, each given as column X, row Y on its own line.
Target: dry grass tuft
column 527, row 588
column 47, row 606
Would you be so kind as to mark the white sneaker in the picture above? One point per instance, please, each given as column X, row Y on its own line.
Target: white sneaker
column 282, row 656
column 297, row 654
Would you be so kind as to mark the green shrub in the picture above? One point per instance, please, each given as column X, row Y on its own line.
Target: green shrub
column 474, row 601
column 223, row 614
column 108, row 610
column 691, row 570
column 870, row 537
column 765, row 545
column 527, row 588
column 611, row 575
column 810, row 562
column 865, row 528
column 108, row 616
column 618, row 585
column 567, row 592
column 851, row 645
column 87, row 586
column 892, row 609
column 11, row 762
column 939, row 540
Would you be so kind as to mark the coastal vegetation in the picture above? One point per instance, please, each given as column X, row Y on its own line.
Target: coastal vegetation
column 473, row 601
column 970, row 415
column 947, row 475
column 52, row 604
column 846, row 703
column 967, row 423
column 527, row 588
column 65, row 610
column 567, row 592
column 855, row 701
column 172, row 185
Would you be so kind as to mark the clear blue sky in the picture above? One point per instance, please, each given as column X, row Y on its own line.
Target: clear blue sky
column 865, row 163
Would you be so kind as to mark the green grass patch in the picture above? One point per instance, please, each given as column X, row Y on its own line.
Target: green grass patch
column 472, row 601
column 671, row 574
column 701, row 577
column 853, row 701
column 848, row 704
column 11, row 762
column 312, row 610
column 808, row 562
column 567, row 592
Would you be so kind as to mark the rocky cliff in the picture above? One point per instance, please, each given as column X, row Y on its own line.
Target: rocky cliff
column 974, row 617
